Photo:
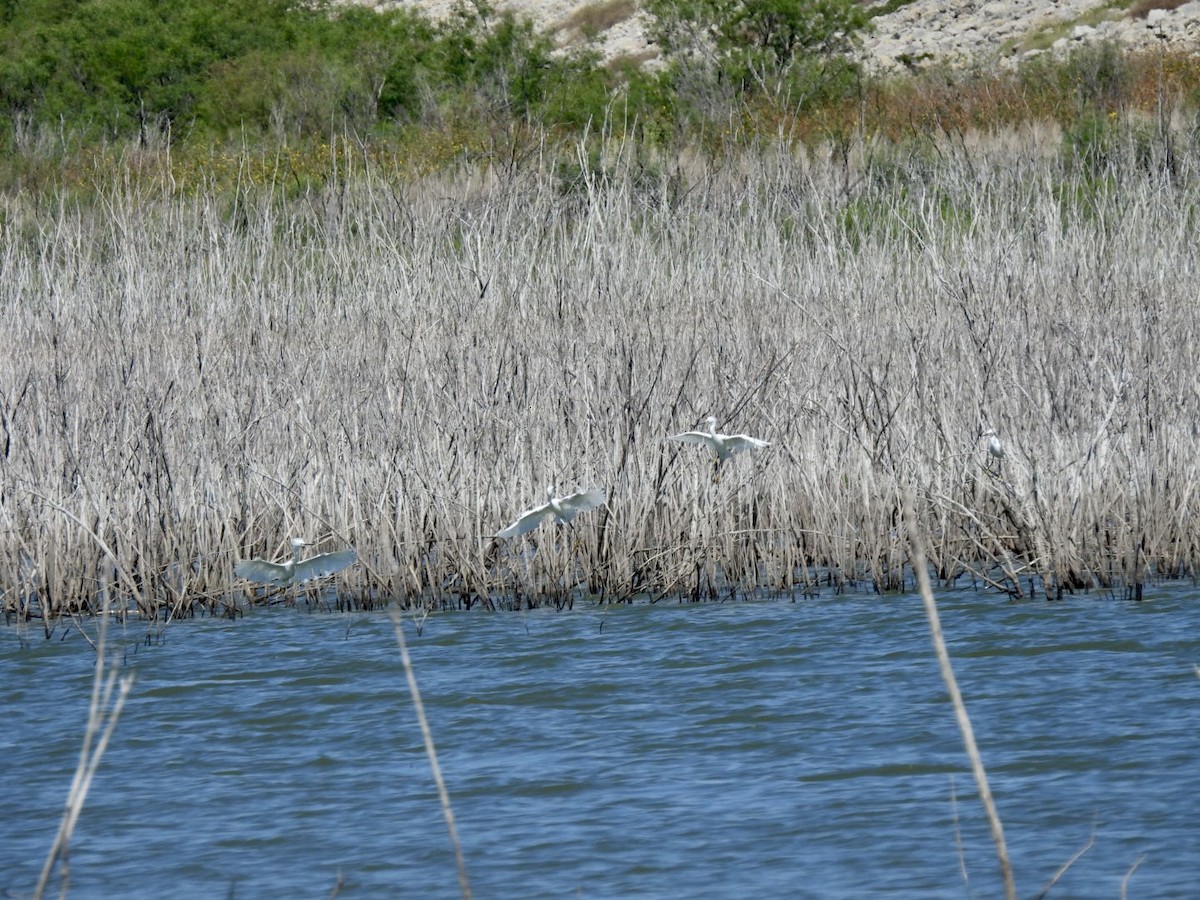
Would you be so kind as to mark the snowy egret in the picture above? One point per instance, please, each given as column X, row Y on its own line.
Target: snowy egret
column 994, row 447
column 724, row 445
column 294, row 570
column 564, row 509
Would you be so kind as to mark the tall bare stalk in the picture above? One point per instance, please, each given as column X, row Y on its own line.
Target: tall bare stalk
column 431, row 752
column 103, row 713
column 920, row 566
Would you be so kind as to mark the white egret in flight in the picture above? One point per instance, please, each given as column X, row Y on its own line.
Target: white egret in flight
column 295, row 570
column 724, row 445
column 564, row 509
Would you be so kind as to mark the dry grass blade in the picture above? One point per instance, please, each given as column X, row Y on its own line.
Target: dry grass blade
column 431, row 752
column 920, row 567
column 102, row 720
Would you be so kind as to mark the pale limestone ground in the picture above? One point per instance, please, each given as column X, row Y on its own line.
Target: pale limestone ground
column 625, row 38
column 1006, row 31
column 925, row 31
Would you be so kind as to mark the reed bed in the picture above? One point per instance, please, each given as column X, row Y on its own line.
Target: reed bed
column 190, row 376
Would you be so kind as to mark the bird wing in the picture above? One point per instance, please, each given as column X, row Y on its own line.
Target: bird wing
column 693, row 437
column 260, row 570
column 324, row 564
column 529, row 520
column 583, row 501
column 736, row 442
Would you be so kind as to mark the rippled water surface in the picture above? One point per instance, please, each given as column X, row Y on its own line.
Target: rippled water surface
column 764, row 749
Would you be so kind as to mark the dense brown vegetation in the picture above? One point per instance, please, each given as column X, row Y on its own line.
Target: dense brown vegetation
column 402, row 366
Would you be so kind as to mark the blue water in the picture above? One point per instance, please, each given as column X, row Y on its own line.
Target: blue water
column 760, row 749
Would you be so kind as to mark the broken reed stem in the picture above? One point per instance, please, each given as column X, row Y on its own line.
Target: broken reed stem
column 1045, row 891
column 958, row 841
column 1129, row 874
column 102, row 719
column 920, row 568
column 431, row 752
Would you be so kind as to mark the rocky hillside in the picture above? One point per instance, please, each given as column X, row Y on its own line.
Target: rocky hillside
column 616, row 27
column 1007, row 31
column 919, row 33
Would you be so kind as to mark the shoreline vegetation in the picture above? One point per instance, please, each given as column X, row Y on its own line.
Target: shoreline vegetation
column 396, row 337
column 402, row 366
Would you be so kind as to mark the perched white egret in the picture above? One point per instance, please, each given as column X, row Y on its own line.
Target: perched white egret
column 564, row 509
column 724, row 445
column 295, row 570
column 994, row 447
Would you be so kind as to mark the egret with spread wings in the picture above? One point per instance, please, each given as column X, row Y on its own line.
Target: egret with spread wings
column 295, row 570
column 563, row 509
column 724, row 445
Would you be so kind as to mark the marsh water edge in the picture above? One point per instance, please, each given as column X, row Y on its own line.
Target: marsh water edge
column 768, row 749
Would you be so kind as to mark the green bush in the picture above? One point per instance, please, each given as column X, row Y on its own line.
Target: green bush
column 109, row 67
column 794, row 54
column 1092, row 79
column 115, row 68
column 756, row 45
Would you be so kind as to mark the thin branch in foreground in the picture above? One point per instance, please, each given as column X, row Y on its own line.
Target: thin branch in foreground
column 102, row 720
column 921, row 569
column 337, row 887
column 431, row 752
column 958, row 841
column 1063, row 868
column 1125, row 881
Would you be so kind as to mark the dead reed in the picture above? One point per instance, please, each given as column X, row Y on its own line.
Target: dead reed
column 464, row 883
column 103, row 712
column 916, row 542
column 190, row 377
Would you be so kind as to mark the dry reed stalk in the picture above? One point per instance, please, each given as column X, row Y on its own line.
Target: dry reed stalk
column 1054, row 879
column 103, row 712
column 958, row 841
column 1128, row 875
column 431, row 752
column 406, row 365
column 920, row 568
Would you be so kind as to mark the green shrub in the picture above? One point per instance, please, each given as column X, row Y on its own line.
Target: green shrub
column 111, row 69
column 108, row 67
column 756, row 44
column 792, row 53
column 1091, row 79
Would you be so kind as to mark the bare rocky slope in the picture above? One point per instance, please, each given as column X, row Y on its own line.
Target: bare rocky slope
column 1006, row 31
column 920, row 33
